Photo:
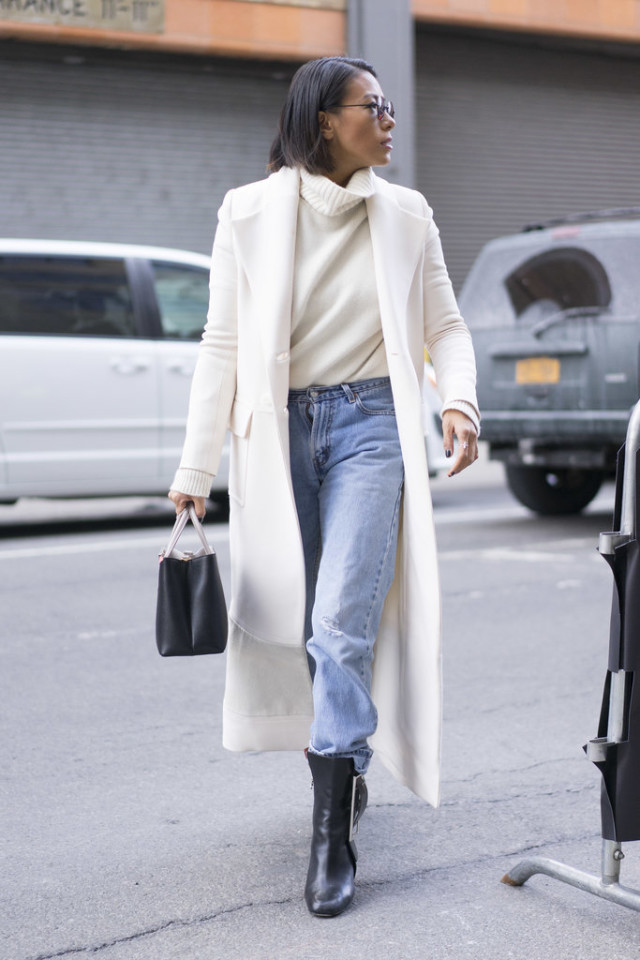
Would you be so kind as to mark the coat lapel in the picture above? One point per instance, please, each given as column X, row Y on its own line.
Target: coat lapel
column 397, row 238
column 266, row 240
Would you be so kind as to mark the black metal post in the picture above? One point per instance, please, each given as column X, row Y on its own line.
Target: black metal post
column 616, row 749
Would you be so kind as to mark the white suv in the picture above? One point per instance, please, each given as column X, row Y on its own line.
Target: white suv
column 98, row 343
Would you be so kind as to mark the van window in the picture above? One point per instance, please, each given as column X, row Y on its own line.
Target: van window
column 517, row 284
column 182, row 292
column 77, row 296
column 562, row 277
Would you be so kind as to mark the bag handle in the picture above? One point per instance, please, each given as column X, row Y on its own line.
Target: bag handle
column 188, row 513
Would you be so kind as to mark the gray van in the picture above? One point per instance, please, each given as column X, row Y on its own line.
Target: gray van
column 555, row 316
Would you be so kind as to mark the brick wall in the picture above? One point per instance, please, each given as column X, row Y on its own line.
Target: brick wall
column 239, row 28
column 602, row 19
column 302, row 29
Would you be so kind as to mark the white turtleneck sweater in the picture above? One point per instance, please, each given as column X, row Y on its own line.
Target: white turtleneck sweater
column 336, row 334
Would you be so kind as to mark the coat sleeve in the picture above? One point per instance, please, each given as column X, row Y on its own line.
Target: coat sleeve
column 446, row 335
column 214, row 379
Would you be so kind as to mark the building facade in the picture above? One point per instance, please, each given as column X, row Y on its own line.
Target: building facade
column 129, row 119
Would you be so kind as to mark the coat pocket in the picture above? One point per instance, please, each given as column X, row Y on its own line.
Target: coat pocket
column 239, row 426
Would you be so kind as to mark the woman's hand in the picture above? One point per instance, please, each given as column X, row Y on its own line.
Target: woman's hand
column 182, row 499
column 457, row 424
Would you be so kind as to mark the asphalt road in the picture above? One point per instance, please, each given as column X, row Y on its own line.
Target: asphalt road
column 131, row 835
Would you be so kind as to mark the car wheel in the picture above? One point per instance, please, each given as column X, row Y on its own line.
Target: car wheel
column 553, row 491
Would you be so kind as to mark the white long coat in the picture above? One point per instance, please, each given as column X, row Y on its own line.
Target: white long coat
column 241, row 382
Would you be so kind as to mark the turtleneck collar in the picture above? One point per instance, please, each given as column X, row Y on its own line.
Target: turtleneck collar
column 329, row 198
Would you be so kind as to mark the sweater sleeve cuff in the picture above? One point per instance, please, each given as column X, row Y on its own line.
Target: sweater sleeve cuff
column 464, row 407
column 195, row 483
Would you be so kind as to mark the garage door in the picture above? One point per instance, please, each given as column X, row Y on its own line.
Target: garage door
column 112, row 146
column 509, row 133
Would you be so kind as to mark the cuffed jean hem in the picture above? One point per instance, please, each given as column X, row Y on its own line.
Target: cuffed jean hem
column 361, row 758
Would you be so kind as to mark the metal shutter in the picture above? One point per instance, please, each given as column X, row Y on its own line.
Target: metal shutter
column 510, row 133
column 105, row 146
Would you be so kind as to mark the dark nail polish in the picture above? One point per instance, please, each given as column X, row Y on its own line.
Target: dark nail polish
column 447, row 453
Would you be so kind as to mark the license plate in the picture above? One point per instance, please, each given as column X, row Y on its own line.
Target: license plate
column 538, row 370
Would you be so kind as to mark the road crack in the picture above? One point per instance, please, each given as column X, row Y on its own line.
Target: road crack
column 402, row 878
column 519, row 853
column 160, row 928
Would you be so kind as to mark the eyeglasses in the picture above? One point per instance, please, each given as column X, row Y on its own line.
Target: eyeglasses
column 377, row 104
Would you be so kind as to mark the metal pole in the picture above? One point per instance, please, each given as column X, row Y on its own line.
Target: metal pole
column 612, row 854
column 607, row 885
column 628, row 517
column 381, row 32
column 575, row 878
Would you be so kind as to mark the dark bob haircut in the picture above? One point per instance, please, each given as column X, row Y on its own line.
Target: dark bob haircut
column 317, row 85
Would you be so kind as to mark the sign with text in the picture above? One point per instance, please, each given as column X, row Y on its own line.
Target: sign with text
column 137, row 16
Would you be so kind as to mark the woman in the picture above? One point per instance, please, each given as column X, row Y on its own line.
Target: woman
column 326, row 284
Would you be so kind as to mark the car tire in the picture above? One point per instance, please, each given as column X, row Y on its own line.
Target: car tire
column 553, row 491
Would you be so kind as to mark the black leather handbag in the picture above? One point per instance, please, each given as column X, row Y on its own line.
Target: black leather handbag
column 191, row 613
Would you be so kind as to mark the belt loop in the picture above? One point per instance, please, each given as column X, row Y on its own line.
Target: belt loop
column 351, row 397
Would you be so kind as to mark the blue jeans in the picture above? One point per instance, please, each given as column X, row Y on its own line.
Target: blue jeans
column 347, row 473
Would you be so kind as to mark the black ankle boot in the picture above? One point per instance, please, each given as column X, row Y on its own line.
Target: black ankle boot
column 339, row 800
